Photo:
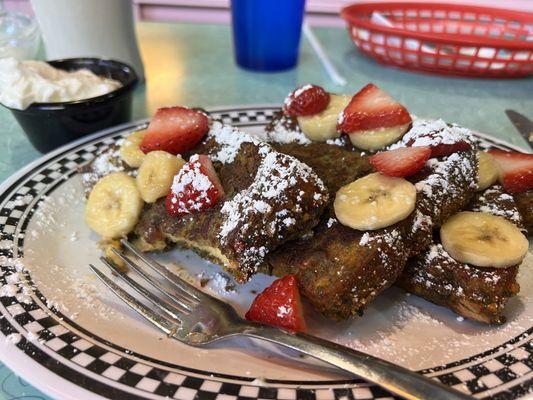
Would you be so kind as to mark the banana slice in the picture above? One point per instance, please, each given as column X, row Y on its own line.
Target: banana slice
column 130, row 151
column 323, row 126
column 376, row 139
column 156, row 174
column 484, row 240
column 113, row 206
column 488, row 170
column 374, row 201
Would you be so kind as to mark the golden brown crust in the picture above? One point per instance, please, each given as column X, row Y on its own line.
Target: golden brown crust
column 475, row 293
column 524, row 202
column 341, row 270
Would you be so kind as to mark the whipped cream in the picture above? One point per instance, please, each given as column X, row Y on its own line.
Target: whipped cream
column 25, row 82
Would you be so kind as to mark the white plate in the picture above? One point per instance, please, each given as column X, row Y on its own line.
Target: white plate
column 73, row 339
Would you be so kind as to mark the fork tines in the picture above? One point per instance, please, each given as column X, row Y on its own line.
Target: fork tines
column 170, row 307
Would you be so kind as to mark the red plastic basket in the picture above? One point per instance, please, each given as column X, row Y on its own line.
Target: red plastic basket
column 445, row 38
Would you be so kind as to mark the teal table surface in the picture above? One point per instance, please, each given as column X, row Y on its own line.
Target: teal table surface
column 193, row 65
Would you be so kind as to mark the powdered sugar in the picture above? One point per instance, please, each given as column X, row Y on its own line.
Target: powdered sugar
column 280, row 133
column 6, row 244
column 388, row 343
column 83, row 288
column 331, row 222
column 262, row 207
column 447, row 180
column 391, row 237
column 341, row 118
column 421, row 221
column 104, row 164
column 439, row 258
column 496, row 202
column 336, row 142
column 364, row 239
column 13, row 278
column 46, row 215
column 13, row 338
column 450, row 176
column 298, row 92
column 23, row 200
column 9, row 290
column 33, row 336
column 433, row 252
column 277, row 178
column 192, row 188
column 494, row 209
column 288, row 221
column 434, row 132
column 230, row 140
column 274, row 176
column 218, row 283
column 13, row 267
column 389, row 242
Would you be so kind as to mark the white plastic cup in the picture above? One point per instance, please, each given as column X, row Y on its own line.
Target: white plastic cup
column 95, row 28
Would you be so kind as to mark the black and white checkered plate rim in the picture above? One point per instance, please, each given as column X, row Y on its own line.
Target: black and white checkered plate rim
column 70, row 362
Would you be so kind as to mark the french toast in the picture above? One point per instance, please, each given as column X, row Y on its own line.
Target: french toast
column 475, row 293
column 341, row 195
column 341, row 270
column 270, row 198
column 480, row 294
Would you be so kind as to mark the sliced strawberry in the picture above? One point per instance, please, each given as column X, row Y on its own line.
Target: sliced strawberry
column 516, row 174
column 401, row 162
column 372, row 108
column 306, row 100
column 175, row 130
column 196, row 188
column 279, row 305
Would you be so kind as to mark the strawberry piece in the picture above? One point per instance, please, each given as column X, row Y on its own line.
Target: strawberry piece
column 306, row 100
column 516, row 170
column 175, row 130
column 372, row 108
column 279, row 305
column 196, row 188
column 401, row 162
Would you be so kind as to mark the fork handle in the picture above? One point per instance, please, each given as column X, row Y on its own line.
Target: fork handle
column 398, row 380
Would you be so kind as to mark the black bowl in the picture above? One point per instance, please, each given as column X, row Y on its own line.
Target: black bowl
column 50, row 125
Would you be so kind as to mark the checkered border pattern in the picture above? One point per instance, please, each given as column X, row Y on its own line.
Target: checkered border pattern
column 494, row 372
column 245, row 117
column 122, row 367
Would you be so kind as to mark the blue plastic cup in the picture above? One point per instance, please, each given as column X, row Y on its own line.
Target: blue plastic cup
column 266, row 33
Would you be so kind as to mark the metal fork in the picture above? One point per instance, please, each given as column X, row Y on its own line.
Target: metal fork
column 197, row 318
